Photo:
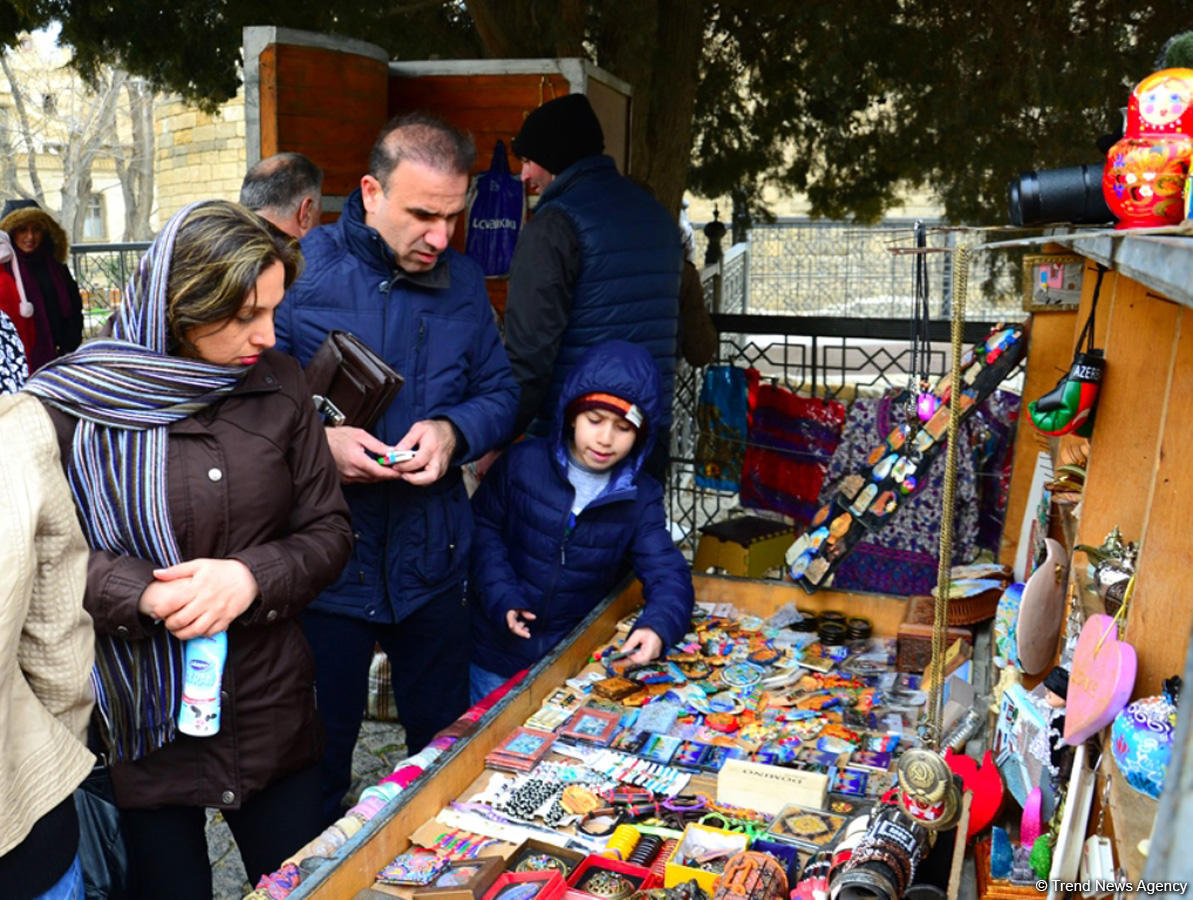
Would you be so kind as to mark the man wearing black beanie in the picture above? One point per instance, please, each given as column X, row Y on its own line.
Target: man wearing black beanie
column 600, row 260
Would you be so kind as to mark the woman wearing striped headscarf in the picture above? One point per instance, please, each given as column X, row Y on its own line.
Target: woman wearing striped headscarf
column 212, row 506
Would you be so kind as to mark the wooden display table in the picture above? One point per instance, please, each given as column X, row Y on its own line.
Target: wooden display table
column 388, row 833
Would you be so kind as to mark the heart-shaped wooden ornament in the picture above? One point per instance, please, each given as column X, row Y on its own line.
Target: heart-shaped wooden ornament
column 1042, row 609
column 1101, row 680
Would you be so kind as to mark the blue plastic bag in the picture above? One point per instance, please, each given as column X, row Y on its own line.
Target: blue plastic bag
column 496, row 216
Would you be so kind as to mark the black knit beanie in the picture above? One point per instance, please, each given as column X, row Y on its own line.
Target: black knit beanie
column 559, row 133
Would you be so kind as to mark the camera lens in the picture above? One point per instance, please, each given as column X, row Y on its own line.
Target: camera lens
column 1072, row 194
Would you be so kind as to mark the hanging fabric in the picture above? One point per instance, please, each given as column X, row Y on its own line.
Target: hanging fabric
column 790, row 442
column 722, row 419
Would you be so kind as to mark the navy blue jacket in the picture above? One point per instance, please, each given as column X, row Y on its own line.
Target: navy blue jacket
column 525, row 558
column 627, row 264
column 436, row 329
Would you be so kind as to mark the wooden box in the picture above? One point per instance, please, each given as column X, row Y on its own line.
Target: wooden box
column 915, row 636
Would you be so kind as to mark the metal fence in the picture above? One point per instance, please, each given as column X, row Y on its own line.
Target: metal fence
column 826, row 357
column 813, row 267
column 102, row 270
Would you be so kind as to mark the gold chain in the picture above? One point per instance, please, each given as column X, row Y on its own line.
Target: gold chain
column 940, row 623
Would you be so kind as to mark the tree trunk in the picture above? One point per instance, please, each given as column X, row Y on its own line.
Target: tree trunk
column 136, row 178
column 656, row 47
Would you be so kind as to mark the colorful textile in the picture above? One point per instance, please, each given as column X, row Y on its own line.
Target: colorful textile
column 722, row 417
column 14, row 369
column 901, row 558
column 993, row 435
column 790, row 441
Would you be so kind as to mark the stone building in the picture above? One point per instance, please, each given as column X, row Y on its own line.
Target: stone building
column 199, row 156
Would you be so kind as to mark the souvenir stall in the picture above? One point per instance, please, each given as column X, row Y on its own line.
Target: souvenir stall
column 807, row 742
column 791, row 743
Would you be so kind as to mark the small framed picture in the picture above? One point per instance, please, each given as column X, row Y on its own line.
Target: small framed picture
column 660, row 748
column 805, row 827
column 717, row 755
column 1052, row 281
column 521, row 751
column 592, row 726
column 689, row 755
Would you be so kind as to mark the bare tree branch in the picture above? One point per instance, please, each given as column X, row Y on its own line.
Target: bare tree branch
column 18, row 99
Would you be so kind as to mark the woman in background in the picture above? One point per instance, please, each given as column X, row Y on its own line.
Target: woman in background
column 239, row 532
column 39, row 265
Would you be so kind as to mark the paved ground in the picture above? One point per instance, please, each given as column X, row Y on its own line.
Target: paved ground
column 381, row 746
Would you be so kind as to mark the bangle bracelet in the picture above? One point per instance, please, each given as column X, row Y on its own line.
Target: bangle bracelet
column 600, row 822
column 685, row 803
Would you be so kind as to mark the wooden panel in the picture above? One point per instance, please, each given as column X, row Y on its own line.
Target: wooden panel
column 1124, row 443
column 325, row 104
column 267, row 67
column 442, row 94
column 1161, row 616
column 612, row 108
column 1049, row 352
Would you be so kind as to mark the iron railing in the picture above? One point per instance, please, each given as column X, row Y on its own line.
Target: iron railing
column 102, row 270
column 822, row 356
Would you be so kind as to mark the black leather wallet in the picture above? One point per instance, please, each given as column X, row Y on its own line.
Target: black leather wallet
column 350, row 383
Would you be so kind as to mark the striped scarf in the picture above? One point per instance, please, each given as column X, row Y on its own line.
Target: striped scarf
column 125, row 392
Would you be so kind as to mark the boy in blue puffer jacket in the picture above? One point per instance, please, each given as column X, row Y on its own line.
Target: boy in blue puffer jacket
column 560, row 520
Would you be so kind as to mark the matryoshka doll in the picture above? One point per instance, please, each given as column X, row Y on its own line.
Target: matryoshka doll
column 1145, row 172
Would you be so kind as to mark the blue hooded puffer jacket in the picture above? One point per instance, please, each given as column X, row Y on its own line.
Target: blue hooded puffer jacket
column 524, row 556
column 436, row 329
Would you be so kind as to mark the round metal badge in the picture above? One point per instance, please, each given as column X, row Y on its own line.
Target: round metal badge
column 741, row 674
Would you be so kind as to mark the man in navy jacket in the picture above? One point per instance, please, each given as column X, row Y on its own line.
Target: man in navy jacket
column 385, row 273
column 600, row 260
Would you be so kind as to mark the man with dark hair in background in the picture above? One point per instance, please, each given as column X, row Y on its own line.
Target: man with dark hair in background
column 385, row 272
column 600, row 260
column 285, row 189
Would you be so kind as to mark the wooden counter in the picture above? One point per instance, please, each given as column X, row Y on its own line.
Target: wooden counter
column 388, row 833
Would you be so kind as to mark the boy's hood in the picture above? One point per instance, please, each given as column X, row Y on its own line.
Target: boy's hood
column 627, row 371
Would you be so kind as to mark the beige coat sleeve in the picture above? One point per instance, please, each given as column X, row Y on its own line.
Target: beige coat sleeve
column 57, row 645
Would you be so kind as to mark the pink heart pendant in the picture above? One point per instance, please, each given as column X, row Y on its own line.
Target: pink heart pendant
column 1101, row 681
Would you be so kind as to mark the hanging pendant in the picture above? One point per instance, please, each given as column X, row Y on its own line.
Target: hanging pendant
column 926, row 405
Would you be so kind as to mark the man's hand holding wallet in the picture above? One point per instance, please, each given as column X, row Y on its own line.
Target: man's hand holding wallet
column 352, row 386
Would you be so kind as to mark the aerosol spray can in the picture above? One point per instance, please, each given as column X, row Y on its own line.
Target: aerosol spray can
column 202, row 671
